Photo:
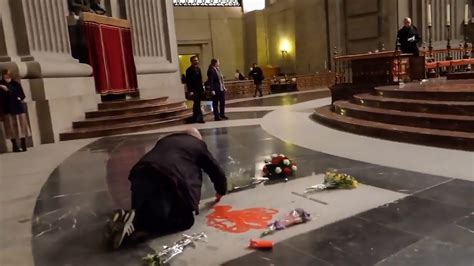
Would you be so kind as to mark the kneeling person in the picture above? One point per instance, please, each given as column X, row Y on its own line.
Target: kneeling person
column 166, row 187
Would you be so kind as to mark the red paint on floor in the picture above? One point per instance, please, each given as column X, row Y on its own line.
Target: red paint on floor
column 239, row 221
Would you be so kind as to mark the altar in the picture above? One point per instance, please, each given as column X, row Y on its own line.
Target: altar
column 382, row 68
column 361, row 73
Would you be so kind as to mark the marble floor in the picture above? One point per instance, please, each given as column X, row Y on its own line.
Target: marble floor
column 402, row 214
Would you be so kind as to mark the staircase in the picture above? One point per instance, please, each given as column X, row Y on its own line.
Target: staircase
column 121, row 117
column 436, row 114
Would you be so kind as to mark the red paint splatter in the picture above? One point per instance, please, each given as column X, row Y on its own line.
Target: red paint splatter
column 239, row 221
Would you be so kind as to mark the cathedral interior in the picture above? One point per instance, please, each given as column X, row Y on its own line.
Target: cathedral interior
column 359, row 114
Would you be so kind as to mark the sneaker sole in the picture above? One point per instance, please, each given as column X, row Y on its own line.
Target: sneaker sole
column 118, row 239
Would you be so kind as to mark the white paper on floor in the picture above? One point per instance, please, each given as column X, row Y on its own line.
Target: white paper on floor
column 223, row 246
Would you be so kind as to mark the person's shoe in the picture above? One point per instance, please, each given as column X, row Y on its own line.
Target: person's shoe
column 217, row 119
column 15, row 146
column 121, row 226
column 23, row 145
column 201, row 121
column 224, row 117
column 118, row 215
column 109, row 226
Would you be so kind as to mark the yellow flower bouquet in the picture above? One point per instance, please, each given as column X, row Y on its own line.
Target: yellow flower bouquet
column 334, row 180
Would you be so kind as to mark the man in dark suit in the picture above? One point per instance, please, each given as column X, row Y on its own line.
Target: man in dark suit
column 408, row 37
column 195, row 88
column 257, row 75
column 166, row 187
column 216, row 83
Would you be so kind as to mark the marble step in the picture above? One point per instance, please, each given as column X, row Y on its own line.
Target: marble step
column 101, row 131
column 143, row 108
column 131, row 117
column 415, row 119
column 415, row 105
column 135, row 102
column 460, row 75
column 425, row 136
column 452, row 91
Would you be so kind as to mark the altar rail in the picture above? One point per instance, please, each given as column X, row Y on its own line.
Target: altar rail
column 246, row 88
column 442, row 61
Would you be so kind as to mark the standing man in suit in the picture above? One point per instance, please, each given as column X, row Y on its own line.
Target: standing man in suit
column 195, row 88
column 408, row 37
column 216, row 84
column 257, row 75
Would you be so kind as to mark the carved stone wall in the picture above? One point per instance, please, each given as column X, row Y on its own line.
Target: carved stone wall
column 36, row 47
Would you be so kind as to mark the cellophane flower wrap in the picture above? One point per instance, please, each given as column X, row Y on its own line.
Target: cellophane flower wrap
column 279, row 166
column 335, row 180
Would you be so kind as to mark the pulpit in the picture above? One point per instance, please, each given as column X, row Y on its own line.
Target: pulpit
column 110, row 53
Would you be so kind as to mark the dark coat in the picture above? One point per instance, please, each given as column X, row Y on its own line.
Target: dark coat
column 241, row 77
column 410, row 47
column 213, row 79
column 180, row 159
column 11, row 101
column 194, row 79
column 257, row 75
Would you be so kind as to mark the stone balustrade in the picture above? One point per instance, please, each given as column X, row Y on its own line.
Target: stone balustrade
column 246, row 88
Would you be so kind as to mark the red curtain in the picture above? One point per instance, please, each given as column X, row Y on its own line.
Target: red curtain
column 111, row 57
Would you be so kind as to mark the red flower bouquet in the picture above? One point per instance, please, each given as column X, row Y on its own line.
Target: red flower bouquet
column 279, row 166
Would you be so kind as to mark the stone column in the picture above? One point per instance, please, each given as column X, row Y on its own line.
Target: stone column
column 256, row 39
column 154, row 47
column 150, row 35
column 59, row 89
column 42, row 40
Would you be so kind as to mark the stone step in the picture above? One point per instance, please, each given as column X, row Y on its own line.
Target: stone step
column 415, row 105
column 101, row 131
column 144, row 108
column 415, row 119
column 136, row 102
column 425, row 136
column 461, row 91
column 131, row 117
column 460, row 75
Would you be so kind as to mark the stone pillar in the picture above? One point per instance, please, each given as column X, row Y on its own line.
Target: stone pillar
column 42, row 40
column 59, row 89
column 154, row 47
column 256, row 39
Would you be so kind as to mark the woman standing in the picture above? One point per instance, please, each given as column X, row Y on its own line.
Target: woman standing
column 14, row 111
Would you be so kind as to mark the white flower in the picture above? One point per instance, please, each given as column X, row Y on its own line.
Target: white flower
column 286, row 162
column 278, row 170
column 282, row 155
column 294, row 168
column 274, row 155
column 268, row 159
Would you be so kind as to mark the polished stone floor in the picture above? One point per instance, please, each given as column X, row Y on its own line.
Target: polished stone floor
column 282, row 100
column 432, row 226
column 396, row 217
